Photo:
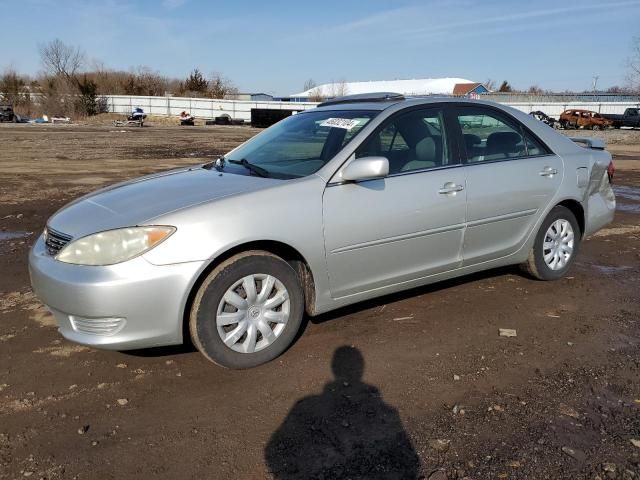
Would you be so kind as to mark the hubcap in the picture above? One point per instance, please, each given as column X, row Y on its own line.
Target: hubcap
column 557, row 247
column 253, row 313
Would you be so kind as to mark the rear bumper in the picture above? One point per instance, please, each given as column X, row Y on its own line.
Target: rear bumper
column 134, row 304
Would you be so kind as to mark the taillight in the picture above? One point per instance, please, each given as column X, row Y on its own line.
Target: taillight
column 611, row 169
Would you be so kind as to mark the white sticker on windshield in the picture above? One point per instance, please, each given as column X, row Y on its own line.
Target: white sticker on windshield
column 346, row 123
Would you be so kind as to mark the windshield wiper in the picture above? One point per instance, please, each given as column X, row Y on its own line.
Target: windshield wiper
column 251, row 167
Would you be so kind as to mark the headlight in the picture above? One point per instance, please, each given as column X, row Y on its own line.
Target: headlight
column 113, row 246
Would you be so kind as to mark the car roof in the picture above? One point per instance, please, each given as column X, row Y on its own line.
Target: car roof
column 380, row 105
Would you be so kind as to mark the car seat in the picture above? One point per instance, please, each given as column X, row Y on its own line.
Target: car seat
column 473, row 144
column 425, row 156
column 503, row 145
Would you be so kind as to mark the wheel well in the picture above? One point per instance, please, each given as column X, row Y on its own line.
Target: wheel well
column 282, row 250
column 577, row 211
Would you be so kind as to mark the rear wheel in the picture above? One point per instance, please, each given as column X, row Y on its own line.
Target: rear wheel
column 247, row 311
column 556, row 245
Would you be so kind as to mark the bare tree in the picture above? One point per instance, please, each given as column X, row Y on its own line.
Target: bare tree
column 617, row 89
column 60, row 59
column 12, row 86
column 15, row 89
column 490, row 84
column 633, row 65
column 316, row 95
column 309, row 84
column 338, row 89
column 220, row 86
column 144, row 81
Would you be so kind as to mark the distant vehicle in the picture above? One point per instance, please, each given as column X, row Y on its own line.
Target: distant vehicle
column 7, row 114
column 544, row 118
column 361, row 197
column 584, row 118
column 137, row 115
column 630, row 118
column 187, row 119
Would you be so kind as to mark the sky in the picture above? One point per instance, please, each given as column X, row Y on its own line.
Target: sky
column 275, row 46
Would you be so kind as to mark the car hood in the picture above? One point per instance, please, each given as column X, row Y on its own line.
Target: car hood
column 139, row 201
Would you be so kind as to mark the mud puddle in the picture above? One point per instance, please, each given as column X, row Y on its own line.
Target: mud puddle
column 627, row 192
column 624, row 192
column 5, row 236
column 606, row 269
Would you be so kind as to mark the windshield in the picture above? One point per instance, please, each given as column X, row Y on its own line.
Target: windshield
column 298, row 145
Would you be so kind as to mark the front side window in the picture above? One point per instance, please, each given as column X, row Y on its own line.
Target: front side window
column 298, row 145
column 415, row 140
column 489, row 136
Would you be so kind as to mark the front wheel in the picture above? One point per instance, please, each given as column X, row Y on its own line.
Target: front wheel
column 556, row 245
column 247, row 311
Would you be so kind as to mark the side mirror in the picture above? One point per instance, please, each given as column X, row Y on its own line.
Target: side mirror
column 366, row 168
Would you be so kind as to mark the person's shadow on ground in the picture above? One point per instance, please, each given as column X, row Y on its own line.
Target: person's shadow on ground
column 346, row 432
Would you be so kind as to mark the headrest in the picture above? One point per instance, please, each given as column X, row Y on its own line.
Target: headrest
column 426, row 150
column 471, row 140
column 503, row 138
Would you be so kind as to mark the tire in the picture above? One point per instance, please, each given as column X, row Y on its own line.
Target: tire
column 536, row 265
column 247, row 323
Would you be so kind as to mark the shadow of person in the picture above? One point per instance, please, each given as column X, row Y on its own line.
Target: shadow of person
column 348, row 431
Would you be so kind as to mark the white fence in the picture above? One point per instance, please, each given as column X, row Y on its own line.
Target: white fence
column 554, row 109
column 241, row 110
column 198, row 107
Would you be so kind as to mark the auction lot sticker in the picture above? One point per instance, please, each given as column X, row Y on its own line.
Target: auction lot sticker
column 346, row 123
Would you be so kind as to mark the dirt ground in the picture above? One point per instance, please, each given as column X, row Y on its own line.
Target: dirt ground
column 416, row 385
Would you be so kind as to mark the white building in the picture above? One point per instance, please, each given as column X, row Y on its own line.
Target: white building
column 419, row 86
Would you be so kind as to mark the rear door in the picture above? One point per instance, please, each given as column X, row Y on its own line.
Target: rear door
column 511, row 178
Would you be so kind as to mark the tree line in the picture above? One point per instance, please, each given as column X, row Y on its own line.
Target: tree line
column 70, row 85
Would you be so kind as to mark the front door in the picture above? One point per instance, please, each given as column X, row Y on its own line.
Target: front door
column 406, row 226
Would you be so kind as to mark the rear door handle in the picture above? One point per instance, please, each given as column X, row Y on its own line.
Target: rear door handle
column 548, row 172
column 450, row 187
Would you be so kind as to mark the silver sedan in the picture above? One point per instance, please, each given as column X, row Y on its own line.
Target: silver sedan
column 361, row 197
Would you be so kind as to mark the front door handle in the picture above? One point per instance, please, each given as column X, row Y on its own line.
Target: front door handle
column 450, row 187
column 548, row 172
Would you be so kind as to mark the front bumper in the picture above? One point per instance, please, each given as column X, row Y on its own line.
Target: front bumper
column 131, row 305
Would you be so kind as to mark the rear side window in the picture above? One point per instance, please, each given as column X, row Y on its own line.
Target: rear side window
column 489, row 136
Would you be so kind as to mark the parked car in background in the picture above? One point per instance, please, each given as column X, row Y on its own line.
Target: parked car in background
column 630, row 118
column 6, row 113
column 584, row 118
column 544, row 118
column 361, row 197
